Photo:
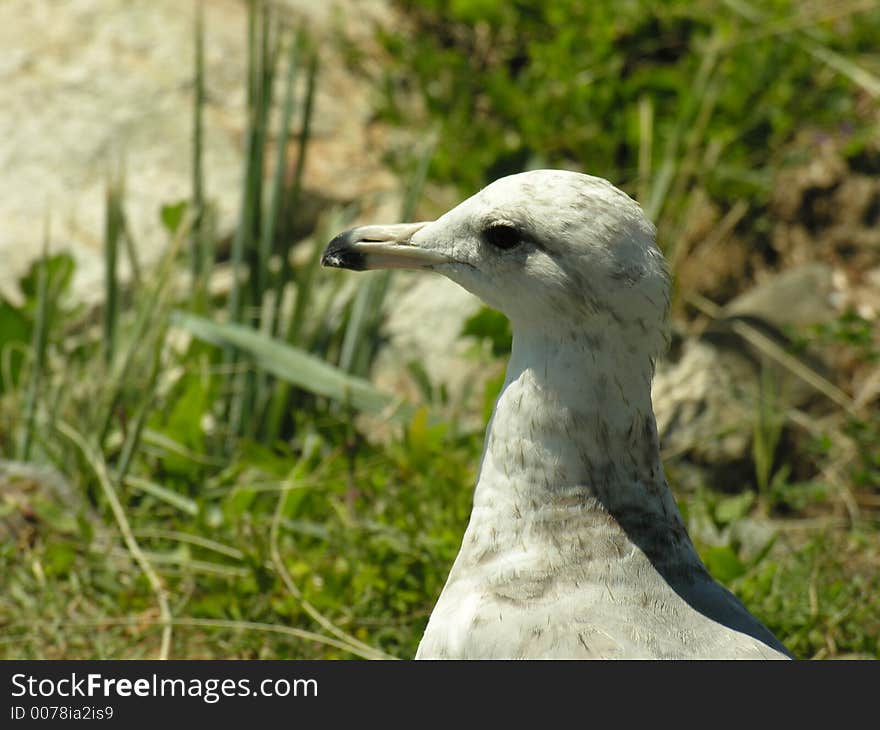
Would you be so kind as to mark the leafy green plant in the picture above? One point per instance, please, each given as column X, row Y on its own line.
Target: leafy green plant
column 769, row 423
column 203, row 478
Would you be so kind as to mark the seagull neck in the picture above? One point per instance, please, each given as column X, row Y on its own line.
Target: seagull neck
column 574, row 419
column 571, row 457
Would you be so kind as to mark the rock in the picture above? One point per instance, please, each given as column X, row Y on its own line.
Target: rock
column 704, row 401
column 707, row 393
column 425, row 317
column 23, row 488
column 799, row 297
column 88, row 84
column 752, row 535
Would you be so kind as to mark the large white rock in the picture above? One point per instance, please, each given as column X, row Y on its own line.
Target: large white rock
column 86, row 84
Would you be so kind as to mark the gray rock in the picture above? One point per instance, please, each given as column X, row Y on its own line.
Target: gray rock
column 798, row 297
column 87, row 84
column 707, row 396
column 425, row 317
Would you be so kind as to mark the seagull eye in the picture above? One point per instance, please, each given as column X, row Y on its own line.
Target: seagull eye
column 502, row 236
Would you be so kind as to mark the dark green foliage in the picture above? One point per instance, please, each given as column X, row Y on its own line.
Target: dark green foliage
column 493, row 326
column 15, row 330
column 561, row 83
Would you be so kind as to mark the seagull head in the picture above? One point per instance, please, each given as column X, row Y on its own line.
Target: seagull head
column 551, row 249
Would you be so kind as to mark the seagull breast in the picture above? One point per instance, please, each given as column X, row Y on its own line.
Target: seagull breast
column 575, row 547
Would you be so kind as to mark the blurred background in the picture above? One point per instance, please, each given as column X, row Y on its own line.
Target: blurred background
column 212, row 448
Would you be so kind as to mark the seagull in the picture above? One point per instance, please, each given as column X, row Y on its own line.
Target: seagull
column 575, row 547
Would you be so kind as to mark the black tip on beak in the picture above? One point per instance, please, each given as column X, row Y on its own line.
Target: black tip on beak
column 380, row 247
column 341, row 254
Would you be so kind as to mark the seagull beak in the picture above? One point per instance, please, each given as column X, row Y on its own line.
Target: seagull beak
column 380, row 247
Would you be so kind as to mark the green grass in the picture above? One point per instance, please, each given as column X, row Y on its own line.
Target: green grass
column 193, row 475
column 668, row 100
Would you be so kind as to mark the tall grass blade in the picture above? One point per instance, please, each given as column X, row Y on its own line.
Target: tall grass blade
column 295, row 190
column 359, row 341
column 306, row 127
column 296, row 366
column 39, row 339
column 807, row 40
column 306, row 277
column 665, row 177
column 133, row 437
column 769, row 421
column 831, row 58
column 278, row 404
column 646, row 145
column 153, row 308
column 163, row 494
column 264, row 77
column 363, row 315
column 95, row 459
column 244, row 259
column 777, row 353
column 113, row 231
column 239, row 241
column 130, row 249
column 270, row 223
column 197, row 242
